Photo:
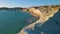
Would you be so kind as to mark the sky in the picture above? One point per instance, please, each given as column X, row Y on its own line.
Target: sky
column 27, row 3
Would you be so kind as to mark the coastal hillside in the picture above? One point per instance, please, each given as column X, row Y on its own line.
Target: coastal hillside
column 42, row 10
column 48, row 22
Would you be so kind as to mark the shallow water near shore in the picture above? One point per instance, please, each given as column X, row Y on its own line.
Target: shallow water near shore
column 11, row 22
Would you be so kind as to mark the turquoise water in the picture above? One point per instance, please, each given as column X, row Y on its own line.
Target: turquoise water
column 11, row 22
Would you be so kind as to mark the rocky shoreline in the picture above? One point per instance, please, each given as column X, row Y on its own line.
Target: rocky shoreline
column 43, row 13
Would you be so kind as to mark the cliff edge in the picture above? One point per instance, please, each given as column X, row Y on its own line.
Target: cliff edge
column 44, row 13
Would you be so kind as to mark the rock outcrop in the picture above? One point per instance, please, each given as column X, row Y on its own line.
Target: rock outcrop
column 44, row 13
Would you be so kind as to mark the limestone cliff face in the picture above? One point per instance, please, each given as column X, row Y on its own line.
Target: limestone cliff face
column 43, row 13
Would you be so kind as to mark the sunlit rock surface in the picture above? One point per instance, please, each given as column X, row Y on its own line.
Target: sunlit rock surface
column 48, row 23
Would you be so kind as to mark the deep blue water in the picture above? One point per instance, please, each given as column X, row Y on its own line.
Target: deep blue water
column 11, row 22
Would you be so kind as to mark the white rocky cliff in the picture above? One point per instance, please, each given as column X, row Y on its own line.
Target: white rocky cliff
column 48, row 22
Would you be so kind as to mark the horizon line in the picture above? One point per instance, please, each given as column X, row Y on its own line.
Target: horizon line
column 24, row 6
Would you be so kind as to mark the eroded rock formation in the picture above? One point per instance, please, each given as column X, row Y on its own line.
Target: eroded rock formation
column 43, row 13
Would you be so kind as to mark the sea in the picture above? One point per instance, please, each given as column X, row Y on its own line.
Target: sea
column 12, row 22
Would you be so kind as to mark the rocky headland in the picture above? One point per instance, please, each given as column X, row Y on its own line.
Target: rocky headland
column 47, row 19
column 44, row 14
